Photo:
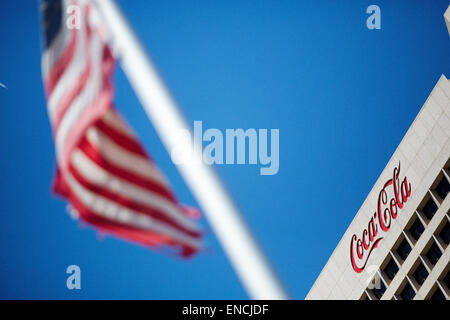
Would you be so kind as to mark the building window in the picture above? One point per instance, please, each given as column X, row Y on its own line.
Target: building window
column 408, row 292
column 404, row 249
column 443, row 188
column 434, row 253
column 416, row 229
column 378, row 292
column 445, row 233
column 420, row 274
column 438, row 295
column 447, row 280
column 391, row 269
column 429, row 209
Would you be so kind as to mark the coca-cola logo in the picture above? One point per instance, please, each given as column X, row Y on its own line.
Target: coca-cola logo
column 391, row 199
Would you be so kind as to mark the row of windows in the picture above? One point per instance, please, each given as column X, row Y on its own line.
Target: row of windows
column 438, row 294
column 431, row 254
column 408, row 292
column 435, row 197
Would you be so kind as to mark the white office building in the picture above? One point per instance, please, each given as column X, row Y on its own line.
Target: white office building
column 396, row 247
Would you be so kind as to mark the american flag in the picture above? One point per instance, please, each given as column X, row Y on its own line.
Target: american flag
column 102, row 169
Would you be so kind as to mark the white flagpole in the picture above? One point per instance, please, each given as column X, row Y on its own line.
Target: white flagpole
column 242, row 250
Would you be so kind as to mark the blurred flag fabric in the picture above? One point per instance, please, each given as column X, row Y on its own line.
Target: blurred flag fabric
column 102, row 170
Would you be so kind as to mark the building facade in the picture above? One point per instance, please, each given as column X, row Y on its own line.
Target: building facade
column 397, row 245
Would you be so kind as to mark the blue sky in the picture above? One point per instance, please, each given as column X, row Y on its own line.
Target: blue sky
column 341, row 95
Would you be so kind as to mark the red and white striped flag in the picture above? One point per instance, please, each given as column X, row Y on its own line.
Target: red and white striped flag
column 102, row 169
